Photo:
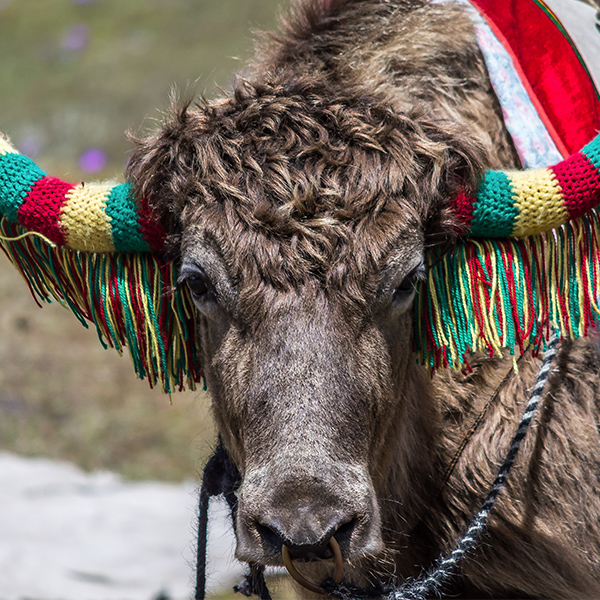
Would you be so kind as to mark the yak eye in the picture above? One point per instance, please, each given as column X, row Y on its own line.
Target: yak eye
column 408, row 286
column 405, row 289
column 197, row 282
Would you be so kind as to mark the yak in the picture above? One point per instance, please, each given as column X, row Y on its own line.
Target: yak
column 300, row 207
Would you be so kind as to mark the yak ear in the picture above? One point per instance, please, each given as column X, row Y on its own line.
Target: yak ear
column 99, row 253
column 452, row 165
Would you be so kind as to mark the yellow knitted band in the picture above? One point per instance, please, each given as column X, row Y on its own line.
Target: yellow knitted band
column 538, row 201
column 86, row 220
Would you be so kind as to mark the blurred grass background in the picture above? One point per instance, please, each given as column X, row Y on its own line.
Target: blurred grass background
column 74, row 76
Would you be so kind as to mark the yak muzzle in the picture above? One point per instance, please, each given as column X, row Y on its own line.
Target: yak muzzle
column 310, row 515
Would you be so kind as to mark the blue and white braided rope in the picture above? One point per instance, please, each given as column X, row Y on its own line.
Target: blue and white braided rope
column 431, row 583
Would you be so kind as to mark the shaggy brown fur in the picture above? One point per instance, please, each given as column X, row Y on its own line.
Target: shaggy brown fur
column 301, row 207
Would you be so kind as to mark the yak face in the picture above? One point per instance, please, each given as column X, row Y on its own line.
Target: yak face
column 300, row 215
column 304, row 382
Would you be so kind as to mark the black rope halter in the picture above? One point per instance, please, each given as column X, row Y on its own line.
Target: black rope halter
column 221, row 477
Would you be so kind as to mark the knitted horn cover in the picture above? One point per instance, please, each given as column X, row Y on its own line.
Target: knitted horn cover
column 98, row 252
column 91, row 217
column 529, row 265
column 524, row 203
column 95, row 250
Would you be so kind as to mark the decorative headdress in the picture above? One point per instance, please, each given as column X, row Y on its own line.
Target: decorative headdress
column 532, row 262
column 95, row 250
column 529, row 260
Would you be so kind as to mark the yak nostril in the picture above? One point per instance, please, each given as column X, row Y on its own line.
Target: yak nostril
column 321, row 549
column 344, row 532
column 307, row 543
column 271, row 538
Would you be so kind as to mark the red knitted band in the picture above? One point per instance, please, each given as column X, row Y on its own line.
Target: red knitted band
column 42, row 207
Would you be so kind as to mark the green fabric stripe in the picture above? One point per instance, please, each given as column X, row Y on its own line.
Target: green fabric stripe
column 17, row 175
column 121, row 210
column 495, row 212
column 575, row 312
column 592, row 151
column 520, row 286
column 535, row 301
column 467, row 300
column 551, row 16
column 461, row 340
column 509, row 336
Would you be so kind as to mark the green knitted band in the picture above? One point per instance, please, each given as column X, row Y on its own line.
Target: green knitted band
column 495, row 216
column 17, row 175
column 122, row 213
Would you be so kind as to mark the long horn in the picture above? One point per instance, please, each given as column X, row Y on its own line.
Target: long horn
column 523, row 203
column 90, row 217
column 106, row 218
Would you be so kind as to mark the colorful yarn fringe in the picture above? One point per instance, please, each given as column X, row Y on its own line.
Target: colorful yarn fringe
column 99, row 265
column 488, row 295
column 130, row 298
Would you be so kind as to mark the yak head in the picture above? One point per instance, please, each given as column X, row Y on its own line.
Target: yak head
column 300, row 217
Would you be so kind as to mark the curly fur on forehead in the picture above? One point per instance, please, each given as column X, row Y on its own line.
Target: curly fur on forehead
column 311, row 168
column 318, row 174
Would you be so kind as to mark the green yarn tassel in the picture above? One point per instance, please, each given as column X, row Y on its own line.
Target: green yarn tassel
column 491, row 295
column 131, row 298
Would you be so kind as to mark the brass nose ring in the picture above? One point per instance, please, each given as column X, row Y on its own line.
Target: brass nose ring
column 309, row 585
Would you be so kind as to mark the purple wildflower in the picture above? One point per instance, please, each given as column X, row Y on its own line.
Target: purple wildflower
column 93, row 160
column 76, row 38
